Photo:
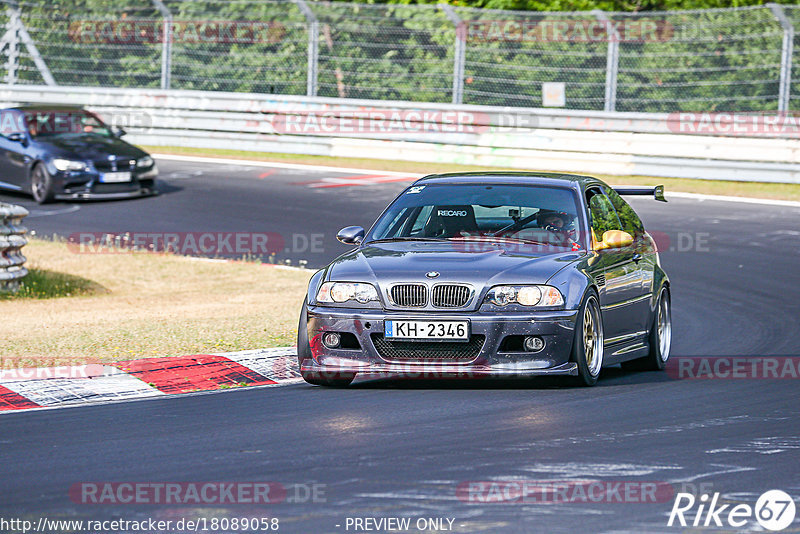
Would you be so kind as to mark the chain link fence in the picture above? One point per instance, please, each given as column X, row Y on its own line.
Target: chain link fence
column 739, row 59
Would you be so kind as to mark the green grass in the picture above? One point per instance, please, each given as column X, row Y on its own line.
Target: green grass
column 708, row 187
column 46, row 284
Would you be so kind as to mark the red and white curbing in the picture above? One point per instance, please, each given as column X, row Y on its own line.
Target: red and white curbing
column 22, row 389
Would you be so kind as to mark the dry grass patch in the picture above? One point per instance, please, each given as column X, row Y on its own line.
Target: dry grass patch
column 138, row 305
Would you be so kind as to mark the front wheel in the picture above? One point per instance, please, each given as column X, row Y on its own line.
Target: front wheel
column 660, row 339
column 330, row 379
column 41, row 184
column 587, row 348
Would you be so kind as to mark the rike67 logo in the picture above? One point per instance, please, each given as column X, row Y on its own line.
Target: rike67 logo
column 774, row 510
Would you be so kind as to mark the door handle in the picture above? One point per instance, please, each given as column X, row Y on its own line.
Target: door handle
column 637, row 257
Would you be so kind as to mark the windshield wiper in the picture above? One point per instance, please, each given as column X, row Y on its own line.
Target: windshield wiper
column 404, row 238
column 498, row 239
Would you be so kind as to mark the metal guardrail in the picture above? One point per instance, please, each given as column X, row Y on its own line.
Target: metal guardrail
column 527, row 138
column 12, row 239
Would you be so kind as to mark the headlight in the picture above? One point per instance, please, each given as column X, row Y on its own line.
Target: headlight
column 344, row 291
column 69, row 165
column 144, row 162
column 525, row 296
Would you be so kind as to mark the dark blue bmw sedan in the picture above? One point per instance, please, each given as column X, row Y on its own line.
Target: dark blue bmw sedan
column 68, row 153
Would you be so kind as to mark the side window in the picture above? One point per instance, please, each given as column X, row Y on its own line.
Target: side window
column 11, row 122
column 604, row 218
column 631, row 222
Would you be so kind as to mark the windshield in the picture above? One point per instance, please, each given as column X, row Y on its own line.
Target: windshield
column 526, row 213
column 52, row 123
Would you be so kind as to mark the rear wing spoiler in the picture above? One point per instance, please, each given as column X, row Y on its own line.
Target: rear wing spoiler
column 657, row 191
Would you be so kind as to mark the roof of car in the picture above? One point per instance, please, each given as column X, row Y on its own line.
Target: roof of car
column 47, row 107
column 511, row 177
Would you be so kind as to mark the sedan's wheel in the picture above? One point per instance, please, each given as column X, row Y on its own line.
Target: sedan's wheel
column 332, row 379
column 587, row 349
column 660, row 340
column 41, row 185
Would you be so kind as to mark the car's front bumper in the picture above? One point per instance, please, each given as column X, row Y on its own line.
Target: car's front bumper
column 556, row 328
column 88, row 185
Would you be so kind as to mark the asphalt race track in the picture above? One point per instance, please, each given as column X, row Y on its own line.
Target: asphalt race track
column 403, row 449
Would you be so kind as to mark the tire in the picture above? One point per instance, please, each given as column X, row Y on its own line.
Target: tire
column 587, row 347
column 330, row 379
column 660, row 338
column 41, row 184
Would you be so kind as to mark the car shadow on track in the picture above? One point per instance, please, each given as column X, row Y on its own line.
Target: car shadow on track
column 611, row 376
column 18, row 197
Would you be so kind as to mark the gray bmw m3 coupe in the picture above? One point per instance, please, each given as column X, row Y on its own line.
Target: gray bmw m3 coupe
column 506, row 274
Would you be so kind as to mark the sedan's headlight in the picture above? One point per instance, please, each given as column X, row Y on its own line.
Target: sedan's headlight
column 69, row 165
column 525, row 296
column 343, row 291
column 144, row 162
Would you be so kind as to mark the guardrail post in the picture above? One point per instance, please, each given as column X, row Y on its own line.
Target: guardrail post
column 166, row 45
column 12, row 239
column 459, row 52
column 313, row 47
column 16, row 34
column 612, row 62
column 10, row 43
column 787, row 48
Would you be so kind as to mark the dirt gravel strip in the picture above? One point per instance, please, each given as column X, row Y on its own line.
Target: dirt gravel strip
column 31, row 388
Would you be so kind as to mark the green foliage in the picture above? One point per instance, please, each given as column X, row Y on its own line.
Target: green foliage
column 714, row 60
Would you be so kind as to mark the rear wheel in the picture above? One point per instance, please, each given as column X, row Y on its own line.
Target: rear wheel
column 587, row 348
column 332, row 378
column 41, row 184
column 660, row 340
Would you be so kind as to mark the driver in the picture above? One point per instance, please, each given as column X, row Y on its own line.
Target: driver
column 556, row 221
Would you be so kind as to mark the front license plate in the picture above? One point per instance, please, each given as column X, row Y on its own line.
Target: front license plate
column 407, row 329
column 115, row 177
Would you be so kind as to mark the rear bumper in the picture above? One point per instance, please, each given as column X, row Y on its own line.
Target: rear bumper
column 556, row 328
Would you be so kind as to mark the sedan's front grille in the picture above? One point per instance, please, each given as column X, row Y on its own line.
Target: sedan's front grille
column 410, row 295
column 450, row 296
column 121, row 164
column 428, row 350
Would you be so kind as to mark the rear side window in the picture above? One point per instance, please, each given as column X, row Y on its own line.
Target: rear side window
column 604, row 217
column 631, row 222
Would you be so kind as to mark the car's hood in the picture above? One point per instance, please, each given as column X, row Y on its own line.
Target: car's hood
column 481, row 266
column 88, row 146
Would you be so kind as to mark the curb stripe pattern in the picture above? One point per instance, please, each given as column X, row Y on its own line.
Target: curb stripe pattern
column 187, row 374
column 11, row 400
column 149, row 377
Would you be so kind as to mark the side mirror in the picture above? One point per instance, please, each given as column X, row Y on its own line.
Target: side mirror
column 615, row 239
column 119, row 132
column 351, row 235
column 18, row 137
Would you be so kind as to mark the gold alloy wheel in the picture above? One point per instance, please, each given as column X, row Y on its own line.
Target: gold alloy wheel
column 592, row 338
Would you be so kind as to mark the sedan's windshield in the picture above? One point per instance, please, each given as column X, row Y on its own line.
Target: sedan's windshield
column 50, row 123
column 527, row 213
